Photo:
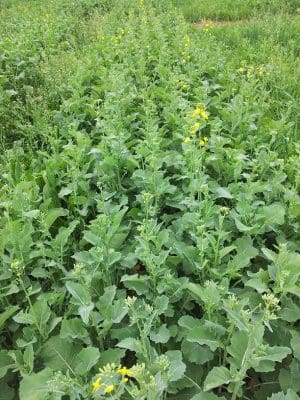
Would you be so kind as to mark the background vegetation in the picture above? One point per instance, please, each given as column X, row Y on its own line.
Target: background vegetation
column 149, row 200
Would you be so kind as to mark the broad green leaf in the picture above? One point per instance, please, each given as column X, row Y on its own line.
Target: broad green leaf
column 177, row 367
column 289, row 377
column 131, row 344
column 290, row 395
column 6, row 363
column 111, row 356
column 52, row 216
column 207, row 396
column 161, row 336
column 161, row 304
column 188, row 322
column 65, row 191
column 140, row 284
column 35, row 386
column 84, row 312
column 59, row 354
column 72, row 328
column 6, row 393
column 79, row 292
column 238, row 347
column 203, row 336
column 195, row 353
column 272, row 215
column 7, row 314
column 218, row 376
column 86, row 359
column 245, row 252
column 295, row 343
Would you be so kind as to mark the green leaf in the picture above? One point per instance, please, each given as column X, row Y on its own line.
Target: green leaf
column 161, row 336
column 207, row 396
column 177, row 367
column 73, row 329
column 195, row 353
column 131, row 344
column 289, row 378
column 295, row 343
column 245, row 252
column 140, row 284
column 86, row 359
column 161, row 304
column 272, row 215
column 65, row 191
column 59, row 354
column 238, row 347
column 290, row 395
column 35, row 386
column 7, row 314
column 7, row 393
column 218, row 376
column 79, row 292
column 203, row 336
column 52, row 216
column 6, row 363
column 111, row 356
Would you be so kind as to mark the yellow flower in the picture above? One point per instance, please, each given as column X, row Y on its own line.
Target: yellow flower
column 96, row 384
column 186, row 140
column 200, row 111
column 125, row 380
column 195, row 128
column 203, row 141
column 109, row 388
column 241, row 69
column 124, row 371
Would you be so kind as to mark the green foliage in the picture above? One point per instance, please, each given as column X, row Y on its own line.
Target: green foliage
column 149, row 201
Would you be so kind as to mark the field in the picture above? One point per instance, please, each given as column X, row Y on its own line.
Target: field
column 150, row 205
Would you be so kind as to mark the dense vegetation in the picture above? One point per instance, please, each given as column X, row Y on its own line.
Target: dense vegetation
column 150, row 208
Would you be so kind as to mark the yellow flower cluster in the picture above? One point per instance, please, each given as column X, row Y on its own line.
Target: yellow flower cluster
column 200, row 112
column 185, row 52
column 203, row 141
column 252, row 71
column 109, row 378
column 124, row 371
column 207, row 27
